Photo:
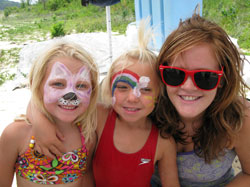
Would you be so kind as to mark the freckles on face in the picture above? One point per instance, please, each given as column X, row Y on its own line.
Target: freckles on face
column 151, row 99
column 61, row 84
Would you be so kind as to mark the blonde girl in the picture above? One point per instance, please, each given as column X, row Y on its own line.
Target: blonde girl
column 64, row 85
column 129, row 144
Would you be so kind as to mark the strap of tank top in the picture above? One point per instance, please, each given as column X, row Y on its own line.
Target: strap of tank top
column 110, row 122
column 82, row 137
column 152, row 140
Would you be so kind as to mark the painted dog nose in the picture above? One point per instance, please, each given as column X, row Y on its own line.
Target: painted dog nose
column 70, row 96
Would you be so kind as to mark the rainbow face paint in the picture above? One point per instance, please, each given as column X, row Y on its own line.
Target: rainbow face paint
column 130, row 78
column 62, row 86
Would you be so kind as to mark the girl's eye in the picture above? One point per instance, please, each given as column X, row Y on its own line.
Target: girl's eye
column 122, row 87
column 145, row 90
column 57, row 85
column 82, row 86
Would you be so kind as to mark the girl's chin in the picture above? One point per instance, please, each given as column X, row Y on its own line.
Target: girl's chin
column 190, row 114
column 65, row 120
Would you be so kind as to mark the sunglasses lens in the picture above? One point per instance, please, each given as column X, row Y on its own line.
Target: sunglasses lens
column 173, row 77
column 206, row 80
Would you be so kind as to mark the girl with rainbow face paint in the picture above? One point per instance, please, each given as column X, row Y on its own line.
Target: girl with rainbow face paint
column 126, row 131
column 134, row 94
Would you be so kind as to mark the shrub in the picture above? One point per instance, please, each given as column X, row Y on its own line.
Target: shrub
column 57, row 30
column 7, row 12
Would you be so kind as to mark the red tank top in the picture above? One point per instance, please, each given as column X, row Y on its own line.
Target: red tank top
column 113, row 168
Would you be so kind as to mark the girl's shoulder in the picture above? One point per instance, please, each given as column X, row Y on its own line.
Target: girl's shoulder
column 102, row 112
column 246, row 120
column 15, row 134
column 102, row 115
column 244, row 131
column 166, row 146
column 245, row 128
column 17, row 128
column 242, row 142
column 166, row 141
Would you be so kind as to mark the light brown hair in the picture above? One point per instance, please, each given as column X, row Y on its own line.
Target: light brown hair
column 223, row 118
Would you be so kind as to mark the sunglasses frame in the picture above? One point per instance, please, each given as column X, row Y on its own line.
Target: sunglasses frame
column 191, row 73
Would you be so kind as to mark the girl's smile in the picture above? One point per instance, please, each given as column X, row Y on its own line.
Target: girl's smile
column 189, row 100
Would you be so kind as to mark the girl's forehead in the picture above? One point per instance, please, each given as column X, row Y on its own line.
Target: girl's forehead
column 136, row 75
column 72, row 64
column 142, row 69
column 59, row 70
column 197, row 57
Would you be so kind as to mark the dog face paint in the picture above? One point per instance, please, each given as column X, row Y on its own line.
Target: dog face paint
column 66, row 88
column 132, row 79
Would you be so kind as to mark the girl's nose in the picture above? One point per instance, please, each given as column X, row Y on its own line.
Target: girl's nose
column 189, row 84
column 70, row 96
column 132, row 97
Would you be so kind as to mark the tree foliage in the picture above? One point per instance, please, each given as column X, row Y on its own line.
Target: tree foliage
column 5, row 3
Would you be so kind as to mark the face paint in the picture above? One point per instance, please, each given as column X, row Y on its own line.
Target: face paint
column 68, row 94
column 143, row 83
column 69, row 99
column 152, row 98
column 132, row 79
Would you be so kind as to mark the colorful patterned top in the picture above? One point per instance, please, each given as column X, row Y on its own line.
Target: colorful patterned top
column 194, row 172
column 40, row 169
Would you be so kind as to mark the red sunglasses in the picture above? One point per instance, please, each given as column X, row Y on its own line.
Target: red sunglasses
column 202, row 79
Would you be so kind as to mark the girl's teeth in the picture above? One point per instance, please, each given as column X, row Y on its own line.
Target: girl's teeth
column 131, row 109
column 189, row 98
column 68, row 107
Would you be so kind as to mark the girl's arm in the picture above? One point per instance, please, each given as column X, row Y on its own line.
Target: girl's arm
column 242, row 148
column 48, row 137
column 167, row 165
column 88, row 177
column 9, row 148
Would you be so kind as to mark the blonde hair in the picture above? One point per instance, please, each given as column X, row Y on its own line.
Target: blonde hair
column 223, row 118
column 140, row 54
column 88, row 119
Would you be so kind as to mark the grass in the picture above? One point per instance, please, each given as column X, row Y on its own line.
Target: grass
column 34, row 23
column 8, row 59
column 233, row 16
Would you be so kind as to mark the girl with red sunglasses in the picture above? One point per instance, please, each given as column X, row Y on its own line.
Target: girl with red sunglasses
column 204, row 104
